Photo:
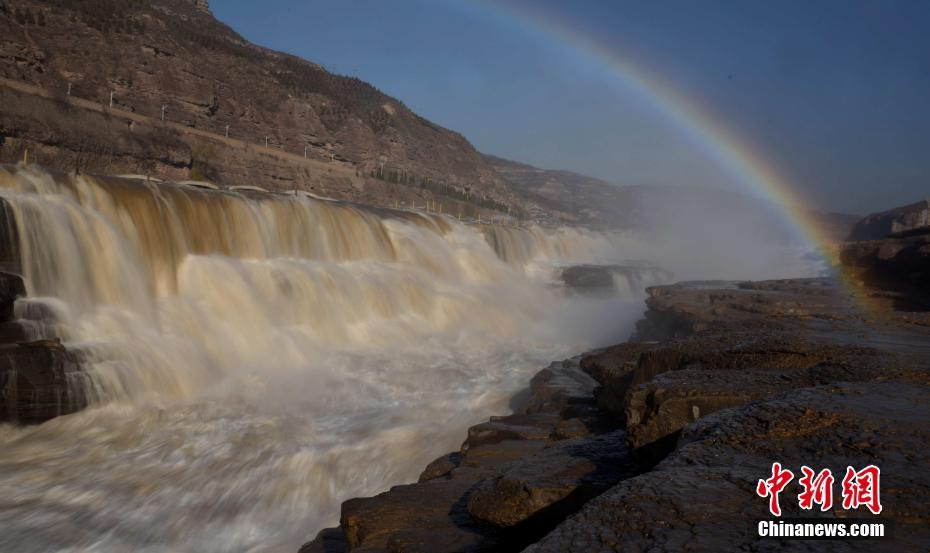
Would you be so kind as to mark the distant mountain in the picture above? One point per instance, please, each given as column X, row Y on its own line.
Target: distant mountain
column 654, row 208
column 563, row 194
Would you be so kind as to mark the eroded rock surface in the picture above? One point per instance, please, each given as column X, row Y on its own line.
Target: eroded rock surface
column 900, row 219
column 898, row 266
column 657, row 444
column 39, row 379
column 702, row 498
column 514, row 478
column 601, row 279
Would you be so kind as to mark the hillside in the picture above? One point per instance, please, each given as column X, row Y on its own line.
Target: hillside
column 175, row 54
column 163, row 88
column 655, row 208
column 569, row 196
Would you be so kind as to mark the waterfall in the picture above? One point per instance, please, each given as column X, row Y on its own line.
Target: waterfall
column 255, row 358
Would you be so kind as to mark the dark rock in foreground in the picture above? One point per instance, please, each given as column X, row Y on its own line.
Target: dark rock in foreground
column 514, row 478
column 898, row 265
column 38, row 382
column 702, row 498
column 748, row 374
column 39, row 379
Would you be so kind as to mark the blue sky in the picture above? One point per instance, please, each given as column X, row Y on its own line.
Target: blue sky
column 834, row 94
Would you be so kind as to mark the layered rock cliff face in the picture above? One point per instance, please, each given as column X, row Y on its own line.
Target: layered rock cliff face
column 788, row 371
column 898, row 265
column 658, row 444
column 174, row 54
column 912, row 217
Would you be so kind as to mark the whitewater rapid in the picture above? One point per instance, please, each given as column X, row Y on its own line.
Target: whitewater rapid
column 255, row 359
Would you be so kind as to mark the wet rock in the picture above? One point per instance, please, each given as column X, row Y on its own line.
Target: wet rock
column 11, row 288
column 12, row 332
column 512, row 427
column 702, row 498
column 554, row 447
column 442, row 466
column 899, row 265
column 735, row 375
column 599, row 279
column 397, row 519
column 551, row 483
column 588, row 278
column 675, row 385
column 562, row 388
column 39, row 381
column 329, row 540
column 572, row 428
column 613, row 368
column 682, row 309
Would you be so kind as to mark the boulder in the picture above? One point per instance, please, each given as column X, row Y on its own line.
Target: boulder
column 39, row 381
column 553, row 482
column 11, row 288
column 600, row 279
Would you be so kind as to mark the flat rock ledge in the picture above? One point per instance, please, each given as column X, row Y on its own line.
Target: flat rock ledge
column 657, row 444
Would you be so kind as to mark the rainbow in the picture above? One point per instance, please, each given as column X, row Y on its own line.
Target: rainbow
column 729, row 152
column 712, row 137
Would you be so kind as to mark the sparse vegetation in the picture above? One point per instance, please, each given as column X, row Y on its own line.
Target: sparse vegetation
column 11, row 148
column 266, row 84
column 397, row 176
column 201, row 156
column 106, row 16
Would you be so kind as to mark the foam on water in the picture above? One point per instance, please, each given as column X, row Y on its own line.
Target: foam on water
column 256, row 359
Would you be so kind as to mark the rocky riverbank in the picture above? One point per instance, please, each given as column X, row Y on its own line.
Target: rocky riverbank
column 657, row 444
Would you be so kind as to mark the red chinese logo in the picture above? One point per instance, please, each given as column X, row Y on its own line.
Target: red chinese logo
column 859, row 488
column 773, row 486
column 817, row 489
column 862, row 488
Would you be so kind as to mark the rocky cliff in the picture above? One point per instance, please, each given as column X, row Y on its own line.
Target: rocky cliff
column 658, row 444
column 898, row 266
column 165, row 89
column 906, row 218
column 172, row 60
